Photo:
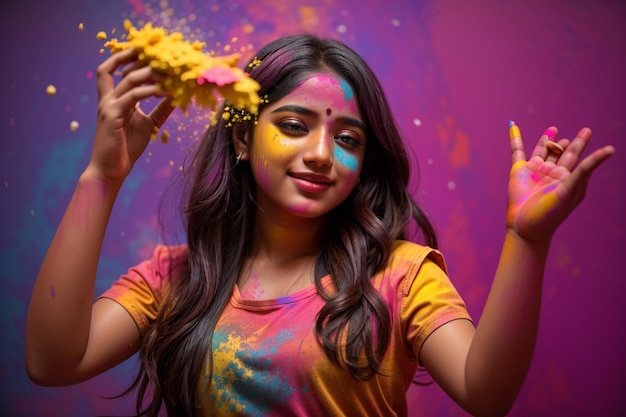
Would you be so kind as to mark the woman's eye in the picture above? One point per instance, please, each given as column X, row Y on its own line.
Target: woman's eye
column 348, row 140
column 292, row 127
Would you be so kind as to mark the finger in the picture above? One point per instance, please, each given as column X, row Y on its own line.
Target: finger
column 161, row 112
column 573, row 151
column 105, row 71
column 540, row 148
column 140, row 64
column 518, row 155
column 134, row 66
column 136, row 78
column 130, row 99
column 554, row 156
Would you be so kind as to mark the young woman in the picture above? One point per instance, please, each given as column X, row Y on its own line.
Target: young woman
column 296, row 293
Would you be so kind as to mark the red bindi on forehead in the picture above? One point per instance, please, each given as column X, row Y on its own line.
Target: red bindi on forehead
column 328, row 111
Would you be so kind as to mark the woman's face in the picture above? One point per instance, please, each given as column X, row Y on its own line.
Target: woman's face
column 308, row 148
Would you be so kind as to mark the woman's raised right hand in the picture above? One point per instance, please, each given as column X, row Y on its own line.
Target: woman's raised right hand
column 123, row 130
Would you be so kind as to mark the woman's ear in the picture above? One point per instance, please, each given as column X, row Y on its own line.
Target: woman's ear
column 241, row 141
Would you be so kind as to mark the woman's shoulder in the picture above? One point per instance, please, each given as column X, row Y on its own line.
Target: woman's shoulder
column 165, row 262
column 414, row 254
column 408, row 262
column 169, row 258
column 173, row 252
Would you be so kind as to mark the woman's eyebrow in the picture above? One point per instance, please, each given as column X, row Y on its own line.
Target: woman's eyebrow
column 353, row 122
column 295, row 109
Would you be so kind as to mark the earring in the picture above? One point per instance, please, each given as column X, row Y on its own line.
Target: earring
column 238, row 158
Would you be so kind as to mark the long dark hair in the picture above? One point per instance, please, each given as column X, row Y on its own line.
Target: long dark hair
column 354, row 325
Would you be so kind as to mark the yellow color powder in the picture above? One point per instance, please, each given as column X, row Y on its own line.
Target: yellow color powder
column 192, row 74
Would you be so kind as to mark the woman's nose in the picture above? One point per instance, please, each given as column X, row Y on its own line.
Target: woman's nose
column 319, row 149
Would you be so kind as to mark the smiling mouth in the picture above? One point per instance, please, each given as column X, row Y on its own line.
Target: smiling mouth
column 311, row 183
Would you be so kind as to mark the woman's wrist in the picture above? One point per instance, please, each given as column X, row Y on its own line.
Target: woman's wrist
column 92, row 174
column 513, row 238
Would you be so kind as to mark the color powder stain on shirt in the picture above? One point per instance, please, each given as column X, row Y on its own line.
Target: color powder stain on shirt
column 247, row 367
column 265, row 362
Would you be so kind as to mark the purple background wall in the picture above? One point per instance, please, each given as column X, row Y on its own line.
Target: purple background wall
column 455, row 71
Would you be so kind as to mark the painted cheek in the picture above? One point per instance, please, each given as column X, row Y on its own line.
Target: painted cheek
column 272, row 145
column 345, row 159
column 262, row 172
column 265, row 144
column 259, row 159
column 269, row 147
column 350, row 183
column 350, row 162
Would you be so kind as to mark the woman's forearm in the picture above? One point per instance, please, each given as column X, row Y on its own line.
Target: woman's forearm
column 59, row 314
column 502, row 348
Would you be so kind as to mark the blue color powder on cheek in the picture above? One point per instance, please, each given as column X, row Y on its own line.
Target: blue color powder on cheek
column 346, row 159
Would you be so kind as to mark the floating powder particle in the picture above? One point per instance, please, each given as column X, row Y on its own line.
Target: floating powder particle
column 51, row 90
column 165, row 136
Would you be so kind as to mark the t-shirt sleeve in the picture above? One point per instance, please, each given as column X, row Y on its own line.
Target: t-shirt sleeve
column 143, row 288
column 430, row 300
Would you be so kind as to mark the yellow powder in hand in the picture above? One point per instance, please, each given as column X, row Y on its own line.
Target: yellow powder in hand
column 192, row 74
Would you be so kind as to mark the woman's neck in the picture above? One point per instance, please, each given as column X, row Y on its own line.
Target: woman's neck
column 281, row 240
column 282, row 257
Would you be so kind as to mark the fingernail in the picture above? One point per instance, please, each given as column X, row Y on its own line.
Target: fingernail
column 549, row 133
column 514, row 131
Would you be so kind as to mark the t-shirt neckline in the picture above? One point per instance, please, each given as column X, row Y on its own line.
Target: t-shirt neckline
column 238, row 301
